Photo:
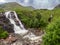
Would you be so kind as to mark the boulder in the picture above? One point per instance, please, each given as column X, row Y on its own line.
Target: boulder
column 12, row 14
column 5, row 23
column 9, row 28
column 2, row 16
column 1, row 23
column 8, row 41
column 17, row 22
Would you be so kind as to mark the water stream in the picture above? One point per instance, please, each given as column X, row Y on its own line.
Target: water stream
column 18, row 26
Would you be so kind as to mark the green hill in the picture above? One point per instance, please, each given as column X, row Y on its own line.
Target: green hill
column 14, row 5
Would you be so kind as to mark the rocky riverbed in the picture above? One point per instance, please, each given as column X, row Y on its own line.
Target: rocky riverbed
column 16, row 39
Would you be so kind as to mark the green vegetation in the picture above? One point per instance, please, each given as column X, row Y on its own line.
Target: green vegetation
column 3, row 33
column 1, row 10
column 31, row 19
column 37, row 19
column 13, row 5
column 52, row 36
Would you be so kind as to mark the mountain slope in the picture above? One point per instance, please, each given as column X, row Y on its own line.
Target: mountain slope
column 58, row 6
column 14, row 5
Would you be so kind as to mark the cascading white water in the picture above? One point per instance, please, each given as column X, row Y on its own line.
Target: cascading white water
column 20, row 29
column 17, row 29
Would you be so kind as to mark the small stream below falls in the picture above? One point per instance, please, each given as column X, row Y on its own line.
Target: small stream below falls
column 19, row 28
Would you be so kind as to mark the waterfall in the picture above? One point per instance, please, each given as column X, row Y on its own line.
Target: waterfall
column 18, row 26
column 12, row 16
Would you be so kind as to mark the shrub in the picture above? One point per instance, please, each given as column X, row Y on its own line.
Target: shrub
column 43, row 23
column 52, row 36
column 3, row 34
column 31, row 19
column 1, row 10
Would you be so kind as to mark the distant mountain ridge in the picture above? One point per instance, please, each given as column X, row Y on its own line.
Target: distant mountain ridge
column 58, row 6
column 14, row 5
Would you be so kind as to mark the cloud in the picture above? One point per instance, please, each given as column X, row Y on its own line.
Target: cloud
column 2, row 1
column 10, row 0
column 38, row 4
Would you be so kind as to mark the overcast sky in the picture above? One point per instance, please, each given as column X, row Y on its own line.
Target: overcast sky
column 38, row 4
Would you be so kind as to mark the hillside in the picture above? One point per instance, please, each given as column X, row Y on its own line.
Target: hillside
column 58, row 6
column 28, row 14
column 14, row 5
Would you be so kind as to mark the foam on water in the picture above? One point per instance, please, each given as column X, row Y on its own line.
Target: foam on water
column 17, row 29
column 20, row 29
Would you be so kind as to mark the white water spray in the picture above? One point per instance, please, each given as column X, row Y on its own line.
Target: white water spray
column 19, row 29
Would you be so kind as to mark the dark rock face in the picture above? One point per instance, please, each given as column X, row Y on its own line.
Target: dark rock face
column 9, row 28
column 17, row 22
column 5, row 23
column 12, row 14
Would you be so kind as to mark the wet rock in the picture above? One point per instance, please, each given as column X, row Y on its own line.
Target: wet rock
column 37, row 32
column 17, row 22
column 17, row 43
column 11, row 39
column 6, row 21
column 9, row 28
column 2, row 16
column 3, row 19
column 1, row 23
column 8, row 41
column 15, row 39
column 12, row 14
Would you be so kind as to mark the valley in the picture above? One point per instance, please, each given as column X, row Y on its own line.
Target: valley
column 28, row 26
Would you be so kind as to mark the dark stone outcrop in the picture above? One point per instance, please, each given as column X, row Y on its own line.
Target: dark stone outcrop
column 9, row 28
column 17, row 22
column 12, row 14
column 5, row 23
